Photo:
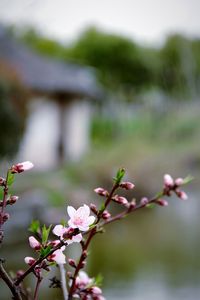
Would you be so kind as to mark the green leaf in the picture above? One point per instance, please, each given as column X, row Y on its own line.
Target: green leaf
column 187, row 179
column 45, row 251
column 151, row 205
column 63, row 222
column 45, row 233
column 102, row 207
column 10, row 178
column 119, row 176
column 98, row 280
column 34, row 226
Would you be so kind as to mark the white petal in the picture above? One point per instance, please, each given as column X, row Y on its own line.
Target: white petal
column 71, row 224
column 71, row 211
column 90, row 220
column 58, row 230
column 77, row 238
column 59, row 257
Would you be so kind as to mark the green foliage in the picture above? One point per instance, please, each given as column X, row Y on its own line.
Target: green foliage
column 45, row 234
column 10, row 178
column 34, row 227
column 10, row 122
column 45, row 251
column 119, row 176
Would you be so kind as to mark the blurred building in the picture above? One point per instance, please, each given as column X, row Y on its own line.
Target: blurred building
column 59, row 110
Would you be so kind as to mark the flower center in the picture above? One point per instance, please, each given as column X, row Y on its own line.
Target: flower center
column 78, row 221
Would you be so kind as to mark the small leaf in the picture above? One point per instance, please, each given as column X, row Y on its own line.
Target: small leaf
column 98, row 280
column 119, row 176
column 45, row 251
column 34, row 226
column 102, row 207
column 45, row 233
column 187, row 179
column 10, row 178
column 151, row 205
column 63, row 222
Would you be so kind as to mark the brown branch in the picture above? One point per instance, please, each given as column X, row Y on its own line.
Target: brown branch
column 6, row 278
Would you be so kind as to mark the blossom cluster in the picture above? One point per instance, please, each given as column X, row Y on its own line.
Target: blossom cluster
column 80, row 223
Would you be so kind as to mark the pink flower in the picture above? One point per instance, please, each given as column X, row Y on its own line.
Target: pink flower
column 21, row 167
column 96, row 290
column 80, row 218
column 29, row 260
column 58, row 256
column 168, row 180
column 82, row 280
column 60, row 230
column 34, row 243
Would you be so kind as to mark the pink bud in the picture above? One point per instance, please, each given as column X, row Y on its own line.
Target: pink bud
column 94, row 208
column 168, row 180
column 34, row 243
column 182, row 195
column 101, row 192
column 162, row 202
column 96, row 290
column 144, row 201
column 179, row 181
column 21, row 167
column 13, row 199
column 29, row 260
column 120, row 200
column 6, row 217
column 132, row 204
column 106, row 215
column 2, row 181
column 127, row 185
column 72, row 262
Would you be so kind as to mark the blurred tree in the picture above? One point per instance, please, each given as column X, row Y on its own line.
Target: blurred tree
column 12, row 112
column 119, row 60
column 177, row 75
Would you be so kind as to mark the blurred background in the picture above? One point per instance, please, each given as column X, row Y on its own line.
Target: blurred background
column 87, row 87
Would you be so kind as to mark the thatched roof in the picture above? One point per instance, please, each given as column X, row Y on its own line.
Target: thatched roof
column 46, row 75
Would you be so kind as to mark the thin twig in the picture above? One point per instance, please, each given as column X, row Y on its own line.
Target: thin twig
column 39, row 280
column 6, row 278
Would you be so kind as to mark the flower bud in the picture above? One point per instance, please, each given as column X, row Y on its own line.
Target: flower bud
column 144, row 201
column 106, row 215
column 162, row 202
column 132, row 204
column 96, row 290
column 13, row 199
column 29, row 260
column 120, row 200
column 94, row 208
column 85, row 254
column 21, row 167
column 2, row 181
column 19, row 273
column 72, row 262
column 127, row 185
column 182, row 195
column 82, row 265
column 101, row 192
column 168, row 180
column 34, row 243
column 6, row 217
column 179, row 181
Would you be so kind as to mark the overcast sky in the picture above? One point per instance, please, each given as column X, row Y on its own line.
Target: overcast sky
column 145, row 20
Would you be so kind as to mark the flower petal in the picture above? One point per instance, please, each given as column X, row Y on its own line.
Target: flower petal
column 58, row 230
column 71, row 211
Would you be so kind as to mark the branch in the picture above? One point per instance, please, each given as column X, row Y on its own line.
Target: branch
column 6, row 278
column 63, row 281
